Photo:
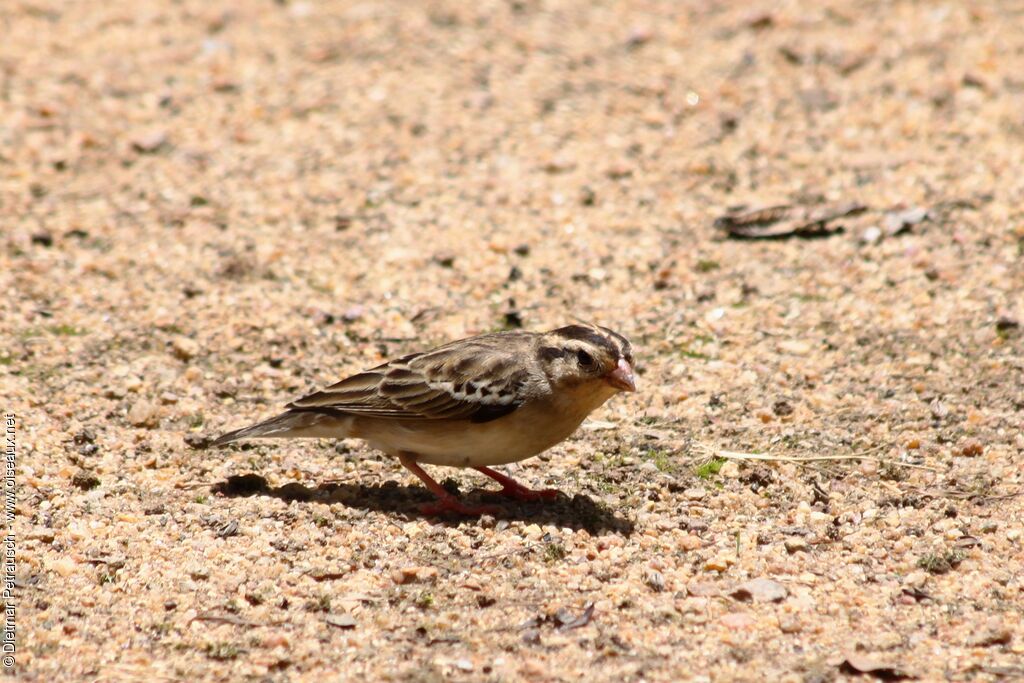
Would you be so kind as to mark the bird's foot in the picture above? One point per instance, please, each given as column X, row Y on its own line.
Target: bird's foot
column 510, row 488
column 451, row 504
column 520, row 492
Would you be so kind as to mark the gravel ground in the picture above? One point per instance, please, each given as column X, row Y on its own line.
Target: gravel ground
column 211, row 207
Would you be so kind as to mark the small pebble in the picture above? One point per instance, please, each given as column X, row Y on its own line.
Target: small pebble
column 720, row 563
column 738, row 621
column 184, row 348
column 730, row 470
column 690, row 542
column 760, row 590
column 915, row 579
column 40, row 534
column 695, row 493
column 343, row 621
column 149, row 141
column 413, row 574
column 795, row 545
column 895, row 222
column 789, row 623
column 795, row 347
column 64, row 566
column 655, row 580
column 871, row 235
column 703, row 589
column 972, row 449
column 143, row 414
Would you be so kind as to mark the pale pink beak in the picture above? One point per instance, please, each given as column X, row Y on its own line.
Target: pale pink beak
column 622, row 377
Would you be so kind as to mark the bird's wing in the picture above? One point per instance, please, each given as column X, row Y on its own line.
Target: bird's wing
column 469, row 381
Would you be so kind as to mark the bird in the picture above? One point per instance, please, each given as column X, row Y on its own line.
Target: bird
column 477, row 403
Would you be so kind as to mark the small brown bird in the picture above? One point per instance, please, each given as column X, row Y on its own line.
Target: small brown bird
column 477, row 402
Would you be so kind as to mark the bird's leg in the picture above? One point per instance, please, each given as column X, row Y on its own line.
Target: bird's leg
column 446, row 502
column 513, row 489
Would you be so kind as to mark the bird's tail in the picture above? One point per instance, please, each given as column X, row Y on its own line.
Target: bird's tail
column 292, row 424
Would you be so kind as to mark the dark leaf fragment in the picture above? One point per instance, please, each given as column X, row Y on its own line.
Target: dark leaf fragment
column 787, row 220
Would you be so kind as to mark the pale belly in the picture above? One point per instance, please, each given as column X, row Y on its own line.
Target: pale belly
column 523, row 434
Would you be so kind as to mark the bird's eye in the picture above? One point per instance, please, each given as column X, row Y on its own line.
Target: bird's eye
column 585, row 359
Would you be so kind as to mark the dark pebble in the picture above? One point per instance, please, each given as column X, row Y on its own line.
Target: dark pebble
column 85, row 480
column 44, row 239
column 198, row 441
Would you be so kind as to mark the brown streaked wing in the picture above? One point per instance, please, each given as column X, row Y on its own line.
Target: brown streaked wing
column 471, row 381
column 357, row 394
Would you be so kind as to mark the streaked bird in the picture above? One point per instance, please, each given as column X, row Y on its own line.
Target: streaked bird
column 477, row 402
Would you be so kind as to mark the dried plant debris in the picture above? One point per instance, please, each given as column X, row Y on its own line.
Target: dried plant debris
column 787, row 220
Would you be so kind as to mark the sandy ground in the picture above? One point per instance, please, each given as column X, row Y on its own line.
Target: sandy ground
column 207, row 209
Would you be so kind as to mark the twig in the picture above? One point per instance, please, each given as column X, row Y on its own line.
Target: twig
column 935, row 492
column 230, row 619
column 1004, row 496
column 731, row 455
column 188, row 486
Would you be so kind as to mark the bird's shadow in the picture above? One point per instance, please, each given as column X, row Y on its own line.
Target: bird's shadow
column 578, row 512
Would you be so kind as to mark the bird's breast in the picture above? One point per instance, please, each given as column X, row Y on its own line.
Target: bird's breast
column 531, row 429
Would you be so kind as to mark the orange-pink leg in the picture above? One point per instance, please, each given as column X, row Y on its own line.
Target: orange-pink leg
column 513, row 489
column 446, row 502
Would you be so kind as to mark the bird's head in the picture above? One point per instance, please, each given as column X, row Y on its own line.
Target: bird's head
column 583, row 354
